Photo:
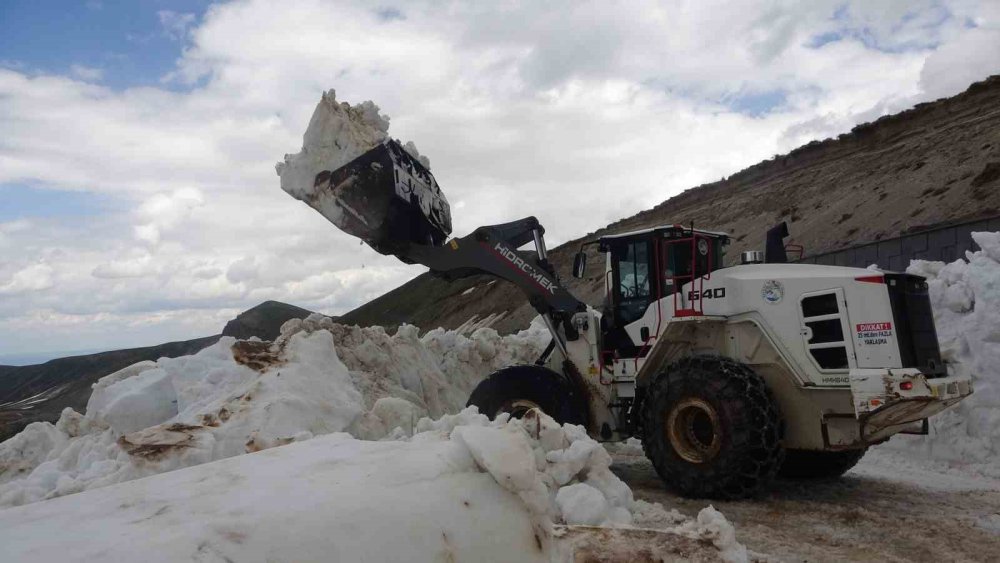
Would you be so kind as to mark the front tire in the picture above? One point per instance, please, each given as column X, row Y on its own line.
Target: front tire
column 807, row 464
column 518, row 389
column 712, row 429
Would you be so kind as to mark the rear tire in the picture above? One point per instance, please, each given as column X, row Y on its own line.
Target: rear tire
column 518, row 389
column 712, row 429
column 808, row 464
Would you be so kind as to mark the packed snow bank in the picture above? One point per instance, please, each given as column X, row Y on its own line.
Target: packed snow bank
column 462, row 489
column 965, row 296
column 237, row 397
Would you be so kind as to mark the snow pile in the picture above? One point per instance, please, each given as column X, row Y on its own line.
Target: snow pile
column 237, row 397
column 463, row 488
column 560, row 473
column 965, row 296
column 337, row 134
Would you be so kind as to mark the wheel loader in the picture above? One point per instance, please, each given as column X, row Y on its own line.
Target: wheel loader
column 730, row 376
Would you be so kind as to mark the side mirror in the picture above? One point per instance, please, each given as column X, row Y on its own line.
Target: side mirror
column 579, row 264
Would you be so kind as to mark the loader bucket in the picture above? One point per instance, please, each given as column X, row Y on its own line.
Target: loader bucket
column 388, row 199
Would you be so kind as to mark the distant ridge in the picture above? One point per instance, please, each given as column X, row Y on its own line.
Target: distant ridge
column 40, row 392
column 263, row 321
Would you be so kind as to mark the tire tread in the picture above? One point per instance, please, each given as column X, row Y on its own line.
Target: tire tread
column 755, row 450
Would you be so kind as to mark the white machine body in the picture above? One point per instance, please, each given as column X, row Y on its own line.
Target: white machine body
column 826, row 339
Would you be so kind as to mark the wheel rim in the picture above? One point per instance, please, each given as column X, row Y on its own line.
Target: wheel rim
column 518, row 407
column 694, row 430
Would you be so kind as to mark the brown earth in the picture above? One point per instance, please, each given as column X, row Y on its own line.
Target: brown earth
column 937, row 162
column 888, row 508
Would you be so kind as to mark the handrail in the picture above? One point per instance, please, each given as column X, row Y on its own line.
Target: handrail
column 693, row 310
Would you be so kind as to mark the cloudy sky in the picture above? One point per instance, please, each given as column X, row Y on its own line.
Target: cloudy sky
column 138, row 198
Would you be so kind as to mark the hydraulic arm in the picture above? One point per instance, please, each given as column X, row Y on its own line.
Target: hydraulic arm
column 391, row 200
column 493, row 250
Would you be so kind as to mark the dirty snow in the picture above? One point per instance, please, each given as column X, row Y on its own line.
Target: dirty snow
column 965, row 296
column 373, row 425
column 237, row 397
column 462, row 488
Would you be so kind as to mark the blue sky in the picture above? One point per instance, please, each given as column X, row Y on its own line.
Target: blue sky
column 115, row 43
column 126, row 41
column 22, row 201
column 136, row 209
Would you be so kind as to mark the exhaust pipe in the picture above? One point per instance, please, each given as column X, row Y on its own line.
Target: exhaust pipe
column 774, row 248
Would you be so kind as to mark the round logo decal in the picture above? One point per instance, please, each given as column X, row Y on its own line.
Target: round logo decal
column 772, row 292
column 702, row 247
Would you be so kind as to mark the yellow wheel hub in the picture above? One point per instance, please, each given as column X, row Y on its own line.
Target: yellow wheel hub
column 694, row 430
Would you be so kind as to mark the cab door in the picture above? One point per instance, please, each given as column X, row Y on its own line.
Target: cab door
column 631, row 290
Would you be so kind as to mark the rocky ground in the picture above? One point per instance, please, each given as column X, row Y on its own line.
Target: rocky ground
column 888, row 508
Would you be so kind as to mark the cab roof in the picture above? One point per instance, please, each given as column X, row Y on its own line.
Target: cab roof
column 665, row 231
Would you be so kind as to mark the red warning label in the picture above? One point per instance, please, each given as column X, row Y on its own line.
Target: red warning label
column 874, row 333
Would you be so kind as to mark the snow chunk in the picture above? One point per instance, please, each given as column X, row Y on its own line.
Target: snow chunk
column 713, row 526
column 506, row 455
column 582, row 504
column 337, row 133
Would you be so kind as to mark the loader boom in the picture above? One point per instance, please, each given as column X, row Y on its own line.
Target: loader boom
column 389, row 199
column 492, row 250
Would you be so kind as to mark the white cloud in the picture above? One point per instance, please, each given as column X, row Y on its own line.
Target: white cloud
column 136, row 266
column 243, row 270
column 163, row 212
column 18, row 225
column 175, row 25
column 36, row 277
column 86, row 73
column 577, row 112
column 979, row 53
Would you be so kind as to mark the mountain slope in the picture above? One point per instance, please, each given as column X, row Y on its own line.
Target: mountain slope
column 42, row 391
column 263, row 321
column 938, row 161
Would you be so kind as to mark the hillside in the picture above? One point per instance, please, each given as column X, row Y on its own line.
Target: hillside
column 40, row 392
column 936, row 162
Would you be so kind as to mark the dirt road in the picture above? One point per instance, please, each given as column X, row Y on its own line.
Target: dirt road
column 887, row 509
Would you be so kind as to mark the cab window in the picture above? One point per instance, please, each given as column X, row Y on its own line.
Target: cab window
column 632, row 288
column 677, row 261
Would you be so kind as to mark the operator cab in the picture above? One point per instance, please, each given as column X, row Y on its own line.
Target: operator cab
column 644, row 266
